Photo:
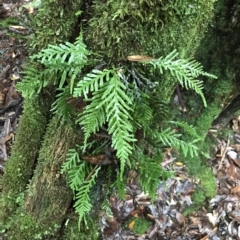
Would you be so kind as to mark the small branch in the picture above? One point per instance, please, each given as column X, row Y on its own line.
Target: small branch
column 91, row 173
column 224, row 152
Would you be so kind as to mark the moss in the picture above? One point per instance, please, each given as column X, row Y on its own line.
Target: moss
column 48, row 196
column 71, row 230
column 204, row 122
column 24, row 151
column 219, row 55
column 29, row 228
column 51, row 26
column 198, row 199
column 139, row 225
column 5, row 23
column 122, row 28
column 53, row 23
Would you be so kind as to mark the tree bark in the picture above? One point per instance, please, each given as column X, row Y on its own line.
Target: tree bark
column 51, row 26
column 224, row 118
column 48, row 196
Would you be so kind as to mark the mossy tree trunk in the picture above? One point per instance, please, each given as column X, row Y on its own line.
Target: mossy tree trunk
column 51, row 27
column 114, row 30
column 219, row 54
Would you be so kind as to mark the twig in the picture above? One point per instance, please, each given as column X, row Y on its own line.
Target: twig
column 91, row 173
column 4, row 72
column 224, row 152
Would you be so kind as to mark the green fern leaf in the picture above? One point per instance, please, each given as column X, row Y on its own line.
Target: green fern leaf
column 61, row 105
column 83, row 202
column 31, row 83
column 92, row 82
column 170, row 138
column 189, row 129
column 109, row 104
column 72, row 160
column 185, row 71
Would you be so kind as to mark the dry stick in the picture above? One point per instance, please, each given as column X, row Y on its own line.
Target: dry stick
column 224, row 152
column 91, row 173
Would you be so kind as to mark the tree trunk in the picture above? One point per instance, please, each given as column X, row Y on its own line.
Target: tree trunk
column 227, row 114
column 48, row 197
column 57, row 27
column 219, row 54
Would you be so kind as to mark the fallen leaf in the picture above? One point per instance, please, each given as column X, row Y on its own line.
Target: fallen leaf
column 232, row 154
column 180, row 218
column 179, row 164
column 235, row 189
column 17, row 27
column 131, row 225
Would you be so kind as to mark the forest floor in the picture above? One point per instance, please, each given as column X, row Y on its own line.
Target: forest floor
column 136, row 217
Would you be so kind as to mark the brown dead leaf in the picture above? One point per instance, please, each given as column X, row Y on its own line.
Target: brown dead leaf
column 235, row 189
column 231, row 172
column 180, row 218
column 139, row 58
column 236, row 147
column 131, row 225
column 111, row 227
column 150, row 216
column 237, row 161
column 235, row 125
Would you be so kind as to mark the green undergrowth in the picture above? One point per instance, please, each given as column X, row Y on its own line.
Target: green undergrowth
column 71, row 230
column 119, row 102
column 5, row 23
column 107, row 95
column 32, row 229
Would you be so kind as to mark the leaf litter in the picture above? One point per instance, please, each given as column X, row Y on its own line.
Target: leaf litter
column 217, row 219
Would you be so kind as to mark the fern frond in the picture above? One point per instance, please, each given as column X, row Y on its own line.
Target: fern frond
column 63, row 55
column 77, row 175
column 119, row 107
column 150, row 171
column 61, row 105
column 92, row 118
column 120, row 185
column 189, row 129
column 66, row 60
column 31, row 83
column 170, row 138
column 92, row 82
column 142, row 114
column 83, row 202
column 72, row 159
column 109, row 104
column 184, row 70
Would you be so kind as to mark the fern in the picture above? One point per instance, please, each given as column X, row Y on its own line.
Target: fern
column 61, row 105
column 77, row 171
column 185, row 71
column 150, row 172
column 123, row 101
column 83, row 202
column 60, row 62
column 109, row 104
column 92, row 82
column 72, row 160
column 190, row 130
column 31, row 83
column 168, row 137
